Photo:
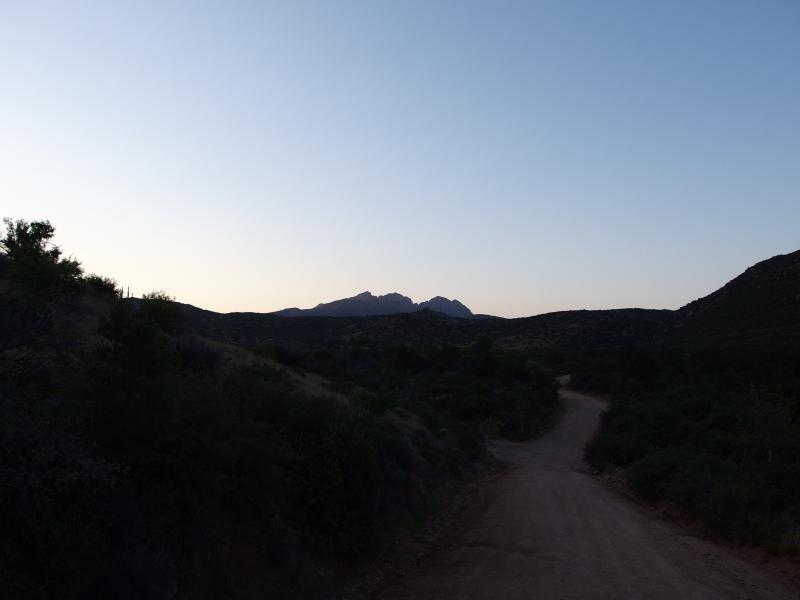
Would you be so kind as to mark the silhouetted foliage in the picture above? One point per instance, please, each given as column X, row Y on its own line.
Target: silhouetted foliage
column 709, row 430
column 137, row 459
column 30, row 256
column 163, row 310
column 36, row 285
column 494, row 392
column 102, row 285
column 118, row 457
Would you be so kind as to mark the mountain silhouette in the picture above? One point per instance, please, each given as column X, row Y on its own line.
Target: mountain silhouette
column 366, row 304
column 454, row 308
column 766, row 295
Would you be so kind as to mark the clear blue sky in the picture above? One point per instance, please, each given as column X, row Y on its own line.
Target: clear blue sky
column 521, row 157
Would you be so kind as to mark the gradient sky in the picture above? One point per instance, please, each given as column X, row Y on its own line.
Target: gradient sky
column 521, row 157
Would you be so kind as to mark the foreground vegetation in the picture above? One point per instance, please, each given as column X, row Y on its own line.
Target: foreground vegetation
column 141, row 461
column 711, row 430
column 151, row 450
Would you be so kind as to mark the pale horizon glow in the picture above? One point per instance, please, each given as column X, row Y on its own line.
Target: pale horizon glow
column 522, row 158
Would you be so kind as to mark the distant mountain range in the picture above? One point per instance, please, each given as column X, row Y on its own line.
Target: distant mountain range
column 366, row 304
column 759, row 306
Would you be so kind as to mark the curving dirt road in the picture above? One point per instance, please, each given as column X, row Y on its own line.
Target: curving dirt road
column 547, row 530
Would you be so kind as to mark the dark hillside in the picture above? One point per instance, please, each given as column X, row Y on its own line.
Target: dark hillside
column 707, row 418
column 559, row 330
column 765, row 296
column 139, row 459
column 761, row 303
column 256, row 328
column 575, row 329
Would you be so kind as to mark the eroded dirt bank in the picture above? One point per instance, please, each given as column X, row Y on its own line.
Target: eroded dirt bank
column 546, row 529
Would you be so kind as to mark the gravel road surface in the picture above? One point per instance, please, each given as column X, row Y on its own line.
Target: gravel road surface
column 546, row 529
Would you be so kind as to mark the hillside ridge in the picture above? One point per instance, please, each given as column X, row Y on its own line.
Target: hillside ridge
column 765, row 295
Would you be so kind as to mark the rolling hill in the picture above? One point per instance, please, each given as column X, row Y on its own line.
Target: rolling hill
column 767, row 295
column 764, row 298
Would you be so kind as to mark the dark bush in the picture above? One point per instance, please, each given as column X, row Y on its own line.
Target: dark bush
column 280, row 354
column 472, row 441
column 163, row 310
column 32, row 258
column 104, row 286
column 198, row 354
column 145, row 461
column 710, row 431
column 377, row 403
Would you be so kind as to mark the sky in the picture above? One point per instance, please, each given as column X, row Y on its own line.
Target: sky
column 521, row 157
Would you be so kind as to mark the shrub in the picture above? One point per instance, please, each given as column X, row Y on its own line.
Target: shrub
column 738, row 509
column 472, row 441
column 377, row 403
column 197, row 354
column 163, row 310
column 104, row 286
column 711, row 431
column 649, row 476
column 31, row 257
column 280, row 354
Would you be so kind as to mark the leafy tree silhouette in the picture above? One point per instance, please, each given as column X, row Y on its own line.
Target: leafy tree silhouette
column 30, row 256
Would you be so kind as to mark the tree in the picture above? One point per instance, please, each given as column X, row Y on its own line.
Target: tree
column 29, row 254
column 25, row 239
column 42, row 292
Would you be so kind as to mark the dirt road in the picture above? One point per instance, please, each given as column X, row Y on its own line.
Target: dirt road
column 547, row 530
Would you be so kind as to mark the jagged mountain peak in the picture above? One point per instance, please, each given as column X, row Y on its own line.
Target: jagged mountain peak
column 367, row 304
